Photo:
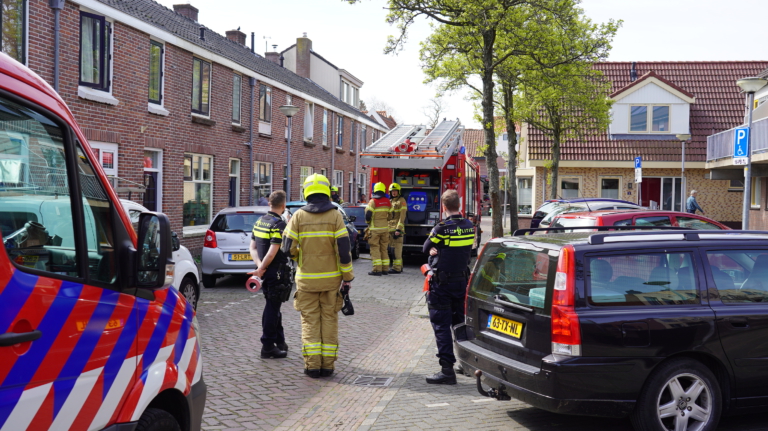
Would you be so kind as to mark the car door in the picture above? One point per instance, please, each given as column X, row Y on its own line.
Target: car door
column 738, row 280
column 67, row 335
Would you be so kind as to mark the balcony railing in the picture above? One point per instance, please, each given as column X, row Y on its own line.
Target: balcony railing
column 720, row 145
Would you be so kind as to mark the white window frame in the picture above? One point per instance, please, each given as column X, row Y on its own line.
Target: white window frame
column 257, row 179
column 649, row 119
column 187, row 230
column 560, row 180
column 338, row 181
column 239, row 78
column 351, row 188
column 309, row 121
column 325, row 127
column 756, row 191
column 110, row 148
column 324, row 172
column 361, row 183
column 600, row 179
column 159, row 170
column 340, row 132
column 531, row 179
column 304, row 172
column 235, row 175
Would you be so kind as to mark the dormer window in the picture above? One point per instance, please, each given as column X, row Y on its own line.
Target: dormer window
column 643, row 115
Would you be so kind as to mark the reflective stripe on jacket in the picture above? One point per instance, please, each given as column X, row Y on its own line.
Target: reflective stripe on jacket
column 379, row 210
column 399, row 210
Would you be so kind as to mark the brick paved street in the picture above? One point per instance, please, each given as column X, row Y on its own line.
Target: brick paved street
column 388, row 336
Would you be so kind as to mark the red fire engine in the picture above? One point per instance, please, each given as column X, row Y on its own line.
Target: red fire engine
column 425, row 164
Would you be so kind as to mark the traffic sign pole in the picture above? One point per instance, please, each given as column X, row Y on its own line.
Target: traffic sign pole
column 748, row 172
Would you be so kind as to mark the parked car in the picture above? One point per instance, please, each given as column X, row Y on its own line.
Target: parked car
column 186, row 274
column 637, row 218
column 358, row 212
column 349, row 222
column 551, row 204
column 592, row 205
column 667, row 327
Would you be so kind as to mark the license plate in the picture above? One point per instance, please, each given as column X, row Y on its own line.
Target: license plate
column 505, row 326
column 239, row 257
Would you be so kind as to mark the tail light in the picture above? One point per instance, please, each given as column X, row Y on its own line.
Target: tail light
column 598, row 221
column 566, row 332
column 210, row 239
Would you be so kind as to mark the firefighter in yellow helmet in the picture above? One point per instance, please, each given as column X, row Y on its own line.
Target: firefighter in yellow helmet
column 397, row 226
column 318, row 240
column 377, row 215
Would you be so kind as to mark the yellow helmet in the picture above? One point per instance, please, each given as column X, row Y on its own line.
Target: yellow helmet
column 335, row 189
column 380, row 187
column 395, row 186
column 317, row 183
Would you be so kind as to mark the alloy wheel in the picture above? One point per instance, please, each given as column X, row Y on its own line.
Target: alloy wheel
column 684, row 403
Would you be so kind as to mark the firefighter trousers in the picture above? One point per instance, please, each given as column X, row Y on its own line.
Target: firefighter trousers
column 397, row 245
column 319, row 327
column 379, row 242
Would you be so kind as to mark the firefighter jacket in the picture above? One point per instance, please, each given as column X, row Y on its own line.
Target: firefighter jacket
column 317, row 239
column 397, row 218
column 377, row 213
column 453, row 238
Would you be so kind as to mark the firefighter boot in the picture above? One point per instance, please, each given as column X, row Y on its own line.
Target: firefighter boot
column 446, row 375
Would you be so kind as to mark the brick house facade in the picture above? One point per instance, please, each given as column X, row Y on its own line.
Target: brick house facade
column 141, row 142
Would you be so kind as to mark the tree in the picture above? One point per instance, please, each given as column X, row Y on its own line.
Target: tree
column 362, row 107
column 434, row 111
column 569, row 101
column 376, row 104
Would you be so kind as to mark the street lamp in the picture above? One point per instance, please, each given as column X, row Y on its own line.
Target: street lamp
column 683, row 186
column 289, row 111
column 749, row 86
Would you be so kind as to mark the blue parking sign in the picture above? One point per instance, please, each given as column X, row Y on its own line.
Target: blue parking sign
column 638, row 162
column 741, row 142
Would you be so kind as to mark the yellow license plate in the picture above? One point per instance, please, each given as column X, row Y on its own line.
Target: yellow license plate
column 505, row 326
column 239, row 257
column 27, row 260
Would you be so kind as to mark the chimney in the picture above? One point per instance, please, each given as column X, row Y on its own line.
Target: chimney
column 236, row 36
column 274, row 57
column 186, row 10
column 303, row 48
column 633, row 72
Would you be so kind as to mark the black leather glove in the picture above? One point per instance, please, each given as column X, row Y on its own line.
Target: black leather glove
column 345, row 287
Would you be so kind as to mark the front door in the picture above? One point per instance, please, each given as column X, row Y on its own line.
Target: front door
column 150, row 191
column 664, row 193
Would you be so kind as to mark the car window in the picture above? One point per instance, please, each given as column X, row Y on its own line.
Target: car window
column 514, row 274
column 571, row 222
column 740, row 276
column 653, row 221
column 625, row 208
column 35, row 203
column 694, row 223
column 235, row 222
column 642, row 279
column 625, row 222
column 358, row 212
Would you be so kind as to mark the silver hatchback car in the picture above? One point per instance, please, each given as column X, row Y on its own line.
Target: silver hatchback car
column 226, row 249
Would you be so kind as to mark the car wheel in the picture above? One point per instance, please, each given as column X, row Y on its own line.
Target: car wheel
column 189, row 289
column 209, row 280
column 157, row 420
column 682, row 394
column 356, row 251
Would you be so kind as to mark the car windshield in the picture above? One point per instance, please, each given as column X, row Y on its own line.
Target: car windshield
column 560, row 209
column 544, row 209
column 358, row 212
column 235, row 222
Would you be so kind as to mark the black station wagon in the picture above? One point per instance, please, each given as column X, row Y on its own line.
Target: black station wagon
column 668, row 327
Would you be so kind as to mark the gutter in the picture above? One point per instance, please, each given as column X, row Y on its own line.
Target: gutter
column 252, row 82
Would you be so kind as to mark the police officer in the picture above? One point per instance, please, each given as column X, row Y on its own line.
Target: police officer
column 397, row 226
column 317, row 238
column 377, row 215
column 451, row 240
column 272, row 267
column 335, row 195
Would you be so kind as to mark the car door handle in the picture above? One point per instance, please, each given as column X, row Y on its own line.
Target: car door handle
column 738, row 322
column 12, row 338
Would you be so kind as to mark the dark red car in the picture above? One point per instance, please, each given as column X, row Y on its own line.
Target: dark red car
column 637, row 218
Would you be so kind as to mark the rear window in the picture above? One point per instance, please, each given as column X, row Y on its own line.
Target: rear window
column 235, row 222
column 694, row 223
column 517, row 273
column 573, row 222
column 653, row 221
column 358, row 212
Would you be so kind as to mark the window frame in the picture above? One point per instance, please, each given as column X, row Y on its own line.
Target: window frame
column 353, row 136
column 600, row 179
column 24, row 34
column 204, row 112
column 199, row 228
column 756, row 191
column 519, row 203
column 99, row 149
column 256, row 183
column 265, row 112
column 237, row 103
column 106, row 45
column 304, row 172
column 351, row 183
column 160, row 71
column 325, row 127
column 340, row 132
column 649, row 108
column 309, row 121
column 567, row 177
column 338, row 181
column 159, row 170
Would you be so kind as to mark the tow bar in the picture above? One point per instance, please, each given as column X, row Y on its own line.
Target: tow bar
column 492, row 393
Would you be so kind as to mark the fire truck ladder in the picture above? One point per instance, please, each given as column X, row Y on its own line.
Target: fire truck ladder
column 395, row 136
column 431, row 153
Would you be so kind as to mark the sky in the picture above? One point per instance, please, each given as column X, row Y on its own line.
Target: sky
column 353, row 38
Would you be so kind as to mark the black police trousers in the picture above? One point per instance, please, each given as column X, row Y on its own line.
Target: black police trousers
column 446, row 308
column 272, row 318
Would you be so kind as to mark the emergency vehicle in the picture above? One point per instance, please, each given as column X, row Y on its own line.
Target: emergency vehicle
column 92, row 335
column 426, row 164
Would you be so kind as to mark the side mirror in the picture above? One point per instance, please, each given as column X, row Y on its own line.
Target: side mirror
column 352, row 218
column 154, row 266
column 175, row 241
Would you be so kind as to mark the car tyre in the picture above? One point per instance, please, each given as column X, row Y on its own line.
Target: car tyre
column 190, row 290
column 680, row 394
column 157, row 420
column 209, row 281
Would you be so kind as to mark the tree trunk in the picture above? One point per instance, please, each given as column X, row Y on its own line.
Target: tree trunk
column 489, row 37
column 555, row 163
column 512, row 152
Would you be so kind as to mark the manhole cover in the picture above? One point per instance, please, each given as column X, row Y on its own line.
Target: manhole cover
column 372, row 381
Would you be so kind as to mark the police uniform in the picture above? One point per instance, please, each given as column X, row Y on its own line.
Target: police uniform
column 268, row 230
column 397, row 223
column 453, row 238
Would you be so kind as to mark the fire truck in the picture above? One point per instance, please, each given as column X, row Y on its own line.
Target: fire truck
column 425, row 164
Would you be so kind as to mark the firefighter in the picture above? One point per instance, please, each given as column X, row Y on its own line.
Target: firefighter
column 377, row 215
column 397, row 226
column 272, row 267
column 451, row 240
column 317, row 238
column 335, row 195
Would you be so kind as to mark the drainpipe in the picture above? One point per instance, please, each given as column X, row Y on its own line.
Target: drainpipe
column 252, row 82
column 333, row 148
column 57, row 6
